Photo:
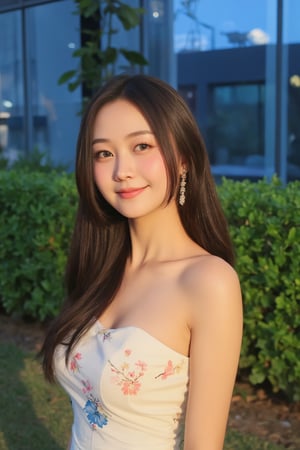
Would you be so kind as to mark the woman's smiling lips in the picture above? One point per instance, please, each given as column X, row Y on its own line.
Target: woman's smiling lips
column 130, row 192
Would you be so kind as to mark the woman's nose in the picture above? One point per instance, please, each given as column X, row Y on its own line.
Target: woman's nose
column 124, row 168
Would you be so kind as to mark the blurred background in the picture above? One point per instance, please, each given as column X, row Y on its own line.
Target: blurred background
column 236, row 62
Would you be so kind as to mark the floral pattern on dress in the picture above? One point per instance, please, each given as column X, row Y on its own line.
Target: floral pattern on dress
column 128, row 375
column 169, row 370
column 93, row 407
column 106, row 335
column 87, row 387
column 95, row 414
column 74, row 364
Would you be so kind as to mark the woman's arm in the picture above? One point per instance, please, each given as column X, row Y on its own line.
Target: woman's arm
column 214, row 354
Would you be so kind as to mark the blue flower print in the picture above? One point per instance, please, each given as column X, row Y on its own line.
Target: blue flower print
column 95, row 417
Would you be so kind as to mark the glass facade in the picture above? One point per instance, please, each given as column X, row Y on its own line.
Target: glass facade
column 11, row 86
column 240, row 63
column 235, row 135
column 54, row 107
column 237, row 64
column 36, row 45
column 291, row 100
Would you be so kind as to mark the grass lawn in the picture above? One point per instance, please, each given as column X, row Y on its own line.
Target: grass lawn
column 37, row 416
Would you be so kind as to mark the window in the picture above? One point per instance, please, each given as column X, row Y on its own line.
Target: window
column 53, row 33
column 236, row 131
column 36, row 46
column 244, row 60
column 11, row 86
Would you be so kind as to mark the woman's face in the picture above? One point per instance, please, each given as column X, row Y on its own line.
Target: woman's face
column 129, row 170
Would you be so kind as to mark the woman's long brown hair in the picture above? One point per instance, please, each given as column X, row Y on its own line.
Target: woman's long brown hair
column 100, row 244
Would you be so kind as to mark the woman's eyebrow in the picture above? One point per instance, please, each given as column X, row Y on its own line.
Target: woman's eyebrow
column 137, row 133
column 134, row 133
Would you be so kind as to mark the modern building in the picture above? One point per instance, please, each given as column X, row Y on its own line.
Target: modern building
column 237, row 63
column 228, row 94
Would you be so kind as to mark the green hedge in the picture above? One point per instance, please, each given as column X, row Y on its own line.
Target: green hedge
column 265, row 227
column 37, row 212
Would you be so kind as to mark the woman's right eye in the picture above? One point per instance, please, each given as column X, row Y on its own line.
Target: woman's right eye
column 102, row 154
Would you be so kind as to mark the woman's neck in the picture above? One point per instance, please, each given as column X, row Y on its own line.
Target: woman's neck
column 158, row 237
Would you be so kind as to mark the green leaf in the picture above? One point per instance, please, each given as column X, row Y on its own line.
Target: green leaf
column 128, row 16
column 257, row 376
column 73, row 86
column 66, row 76
column 109, row 55
column 291, row 235
column 134, row 57
column 87, row 8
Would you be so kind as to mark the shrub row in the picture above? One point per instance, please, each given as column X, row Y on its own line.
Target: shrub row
column 265, row 227
column 37, row 213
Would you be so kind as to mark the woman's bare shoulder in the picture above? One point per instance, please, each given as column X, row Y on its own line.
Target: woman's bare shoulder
column 206, row 269
column 209, row 281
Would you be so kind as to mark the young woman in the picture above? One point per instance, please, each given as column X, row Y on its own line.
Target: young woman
column 148, row 340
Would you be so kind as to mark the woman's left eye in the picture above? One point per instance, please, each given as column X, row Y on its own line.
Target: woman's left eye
column 141, row 147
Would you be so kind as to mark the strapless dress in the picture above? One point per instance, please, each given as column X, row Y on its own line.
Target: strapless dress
column 128, row 390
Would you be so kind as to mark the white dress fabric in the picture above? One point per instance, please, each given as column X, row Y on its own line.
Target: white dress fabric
column 128, row 390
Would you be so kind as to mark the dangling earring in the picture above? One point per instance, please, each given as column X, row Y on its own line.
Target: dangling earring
column 182, row 188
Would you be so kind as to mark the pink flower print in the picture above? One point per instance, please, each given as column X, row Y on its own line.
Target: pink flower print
column 170, row 369
column 141, row 365
column 127, row 376
column 130, row 387
column 127, row 352
column 87, row 387
column 74, row 366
